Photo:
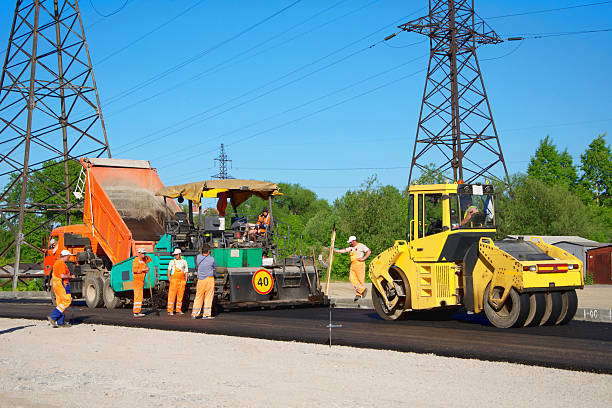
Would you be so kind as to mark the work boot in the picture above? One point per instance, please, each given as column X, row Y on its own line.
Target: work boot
column 65, row 325
column 139, row 314
column 194, row 317
column 170, row 314
column 364, row 293
column 207, row 317
column 357, row 297
column 180, row 313
column 52, row 322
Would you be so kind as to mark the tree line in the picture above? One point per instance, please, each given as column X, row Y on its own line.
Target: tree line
column 554, row 197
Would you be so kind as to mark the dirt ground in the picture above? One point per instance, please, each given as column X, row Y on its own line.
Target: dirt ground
column 105, row 366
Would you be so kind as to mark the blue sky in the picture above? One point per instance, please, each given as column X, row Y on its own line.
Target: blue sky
column 300, row 94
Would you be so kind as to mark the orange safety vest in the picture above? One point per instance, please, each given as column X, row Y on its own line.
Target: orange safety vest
column 60, row 268
column 262, row 223
column 140, row 267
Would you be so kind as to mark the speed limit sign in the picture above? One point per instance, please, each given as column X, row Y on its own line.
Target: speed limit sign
column 263, row 282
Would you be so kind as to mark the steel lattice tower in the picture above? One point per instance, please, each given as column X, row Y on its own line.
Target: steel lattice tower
column 50, row 115
column 223, row 160
column 455, row 117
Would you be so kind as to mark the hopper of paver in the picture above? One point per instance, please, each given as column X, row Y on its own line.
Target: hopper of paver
column 121, row 207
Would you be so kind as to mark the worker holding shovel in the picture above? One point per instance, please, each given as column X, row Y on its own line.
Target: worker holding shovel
column 359, row 253
column 140, row 267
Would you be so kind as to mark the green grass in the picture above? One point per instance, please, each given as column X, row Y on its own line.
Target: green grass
column 33, row 285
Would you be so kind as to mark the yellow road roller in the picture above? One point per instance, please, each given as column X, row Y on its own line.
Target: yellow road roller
column 450, row 260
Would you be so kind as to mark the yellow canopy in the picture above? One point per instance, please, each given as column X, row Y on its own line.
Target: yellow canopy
column 237, row 190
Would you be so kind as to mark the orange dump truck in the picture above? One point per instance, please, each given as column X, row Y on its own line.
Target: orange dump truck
column 120, row 214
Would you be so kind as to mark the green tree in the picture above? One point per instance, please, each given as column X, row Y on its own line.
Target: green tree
column 40, row 188
column 431, row 174
column 596, row 166
column 552, row 167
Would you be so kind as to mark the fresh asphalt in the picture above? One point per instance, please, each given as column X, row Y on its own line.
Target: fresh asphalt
column 579, row 345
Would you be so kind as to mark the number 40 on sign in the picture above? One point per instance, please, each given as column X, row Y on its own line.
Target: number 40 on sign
column 263, row 282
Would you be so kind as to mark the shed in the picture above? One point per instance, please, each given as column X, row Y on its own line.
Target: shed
column 600, row 264
column 573, row 244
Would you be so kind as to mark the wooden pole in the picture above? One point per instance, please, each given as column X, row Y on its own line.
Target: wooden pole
column 331, row 258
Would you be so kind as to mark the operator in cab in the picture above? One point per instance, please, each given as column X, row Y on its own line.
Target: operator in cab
column 61, row 288
column 262, row 225
column 140, row 269
column 359, row 253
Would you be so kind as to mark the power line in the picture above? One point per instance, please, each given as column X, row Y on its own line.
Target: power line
column 112, row 13
column 201, row 113
column 222, row 65
column 515, row 49
column 196, row 57
column 549, row 10
column 159, row 27
column 559, row 34
column 290, row 122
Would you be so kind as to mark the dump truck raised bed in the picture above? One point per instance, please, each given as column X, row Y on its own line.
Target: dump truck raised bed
column 120, row 214
column 450, row 260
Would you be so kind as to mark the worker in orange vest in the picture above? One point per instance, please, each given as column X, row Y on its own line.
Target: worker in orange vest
column 205, row 289
column 177, row 271
column 359, row 253
column 140, row 269
column 262, row 225
column 61, row 288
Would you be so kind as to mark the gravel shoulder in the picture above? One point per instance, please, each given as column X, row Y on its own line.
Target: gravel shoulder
column 90, row 365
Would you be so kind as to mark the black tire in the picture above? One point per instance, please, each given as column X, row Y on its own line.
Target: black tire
column 537, row 307
column 379, row 303
column 92, row 292
column 111, row 300
column 513, row 312
column 569, row 305
column 554, row 302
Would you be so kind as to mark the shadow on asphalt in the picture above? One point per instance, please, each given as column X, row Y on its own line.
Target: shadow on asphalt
column 14, row 329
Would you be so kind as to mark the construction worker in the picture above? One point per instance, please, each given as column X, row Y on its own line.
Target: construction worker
column 205, row 290
column 359, row 253
column 260, row 228
column 177, row 271
column 140, row 269
column 61, row 288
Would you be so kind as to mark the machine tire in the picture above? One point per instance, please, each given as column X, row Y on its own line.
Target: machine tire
column 537, row 307
column 92, row 292
column 379, row 302
column 554, row 302
column 569, row 305
column 513, row 313
column 111, row 300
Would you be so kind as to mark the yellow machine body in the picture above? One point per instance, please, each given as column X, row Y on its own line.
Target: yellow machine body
column 448, row 261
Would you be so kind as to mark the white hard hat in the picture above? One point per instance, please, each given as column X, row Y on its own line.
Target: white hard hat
column 142, row 251
column 65, row 252
column 351, row 238
column 177, row 251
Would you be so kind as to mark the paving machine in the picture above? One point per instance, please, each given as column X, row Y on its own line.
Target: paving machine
column 450, row 260
column 253, row 269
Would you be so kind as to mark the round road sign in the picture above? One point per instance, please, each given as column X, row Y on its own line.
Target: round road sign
column 263, row 282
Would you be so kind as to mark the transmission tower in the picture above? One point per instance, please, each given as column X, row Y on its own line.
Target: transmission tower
column 223, row 160
column 49, row 116
column 455, row 117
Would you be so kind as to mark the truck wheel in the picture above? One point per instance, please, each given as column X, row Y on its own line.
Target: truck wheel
column 92, row 292
column 537, row 307
column 111, row 300
column 553, row 308
column 514, row 311
column 379, row 302
column 569, row 305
